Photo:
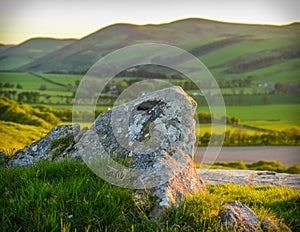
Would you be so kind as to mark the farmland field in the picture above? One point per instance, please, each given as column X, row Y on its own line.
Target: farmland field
column 277, row 114
column 28, row 81
column 270, row 111
column 237, row 49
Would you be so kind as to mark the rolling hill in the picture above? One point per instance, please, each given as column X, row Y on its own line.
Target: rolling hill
column 3, row 47
column 227, row 49
column 12, row 57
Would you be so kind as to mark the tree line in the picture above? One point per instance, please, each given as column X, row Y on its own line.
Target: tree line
column 240, row 138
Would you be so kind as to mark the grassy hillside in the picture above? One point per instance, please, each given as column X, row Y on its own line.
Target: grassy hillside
column 28, row 51
column 67, row 196
column 25, row 114
column 227, row 49
column 22, row 124
column 3, row 47
column 15, row 136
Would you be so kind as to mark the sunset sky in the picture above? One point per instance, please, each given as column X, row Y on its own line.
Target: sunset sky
column 24, row 19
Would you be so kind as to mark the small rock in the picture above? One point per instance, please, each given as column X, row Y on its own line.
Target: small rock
column 44, row 148
column 269, row 225
column 236, row 215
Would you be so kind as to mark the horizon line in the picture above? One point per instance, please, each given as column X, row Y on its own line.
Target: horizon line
column 153, row 24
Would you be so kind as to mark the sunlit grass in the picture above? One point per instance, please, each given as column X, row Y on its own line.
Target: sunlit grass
column 68, row 196
column 201, row 129
column 15, row 136
column 272, row 125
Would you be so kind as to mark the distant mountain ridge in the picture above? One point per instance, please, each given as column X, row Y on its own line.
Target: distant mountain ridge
column 226, row 48
column 12, row 57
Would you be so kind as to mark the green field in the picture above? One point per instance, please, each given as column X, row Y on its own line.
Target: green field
column 206, row 128
column 245, row 47
column 287, row 114
column 28, row 81
column 28, row 51
column 286, row 72
column 63, row 78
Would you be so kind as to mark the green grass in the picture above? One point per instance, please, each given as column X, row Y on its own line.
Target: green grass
column 283, row 113
column 63, row 78
column 241, row 48
column 67, row 196
column 285, row 72
column 29, row 51
column 28, row 81
column 206, row 128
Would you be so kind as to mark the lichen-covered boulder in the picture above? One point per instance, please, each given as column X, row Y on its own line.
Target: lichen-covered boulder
column 51, row 147
column 147, row 143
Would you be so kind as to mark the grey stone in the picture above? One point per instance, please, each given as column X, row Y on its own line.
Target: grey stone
column 236, row 215
column 241, row 177
column 45, row 148
column 153, row 137
column 269, row 225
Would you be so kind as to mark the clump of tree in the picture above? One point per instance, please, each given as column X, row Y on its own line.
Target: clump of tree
column 241, row 138
column 235, row 82
column 231, row 120
column 8, row 85
column 286, row 88
column 43, row 87
column 30, row 97
column 19, row 86
column 205, row 117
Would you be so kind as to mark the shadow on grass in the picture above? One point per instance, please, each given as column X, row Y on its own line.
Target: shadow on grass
column 288, row 210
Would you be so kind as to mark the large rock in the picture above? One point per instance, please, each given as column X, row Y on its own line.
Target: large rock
column 58, row 143
column 148, row 144
column 236, row 215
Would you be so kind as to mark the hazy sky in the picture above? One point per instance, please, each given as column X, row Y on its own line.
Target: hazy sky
column 24, row 19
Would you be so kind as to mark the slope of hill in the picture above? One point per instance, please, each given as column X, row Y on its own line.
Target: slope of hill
column 227, row 49
column 21, row 124
column 3, row 47
column 15, row 56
